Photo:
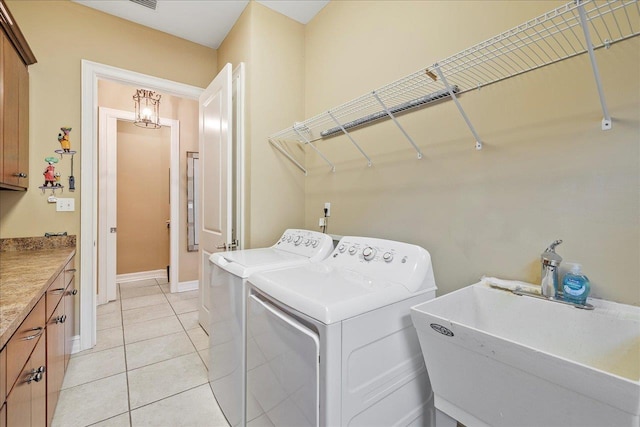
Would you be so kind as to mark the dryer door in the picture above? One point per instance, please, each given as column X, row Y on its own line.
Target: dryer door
column 283, row 368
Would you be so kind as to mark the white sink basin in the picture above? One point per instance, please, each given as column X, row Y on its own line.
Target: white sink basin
column 498, row 359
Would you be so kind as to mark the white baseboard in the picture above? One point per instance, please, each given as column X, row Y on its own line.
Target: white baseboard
column 141, row 275
column 188, row 286
column 75, row 345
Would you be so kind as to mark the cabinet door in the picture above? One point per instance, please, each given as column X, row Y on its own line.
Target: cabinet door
column 3, row 37
column 11, row 110
column 3, row 375
column 55, row 358
column 39, row 388
column 70, row 320
column 23, row 126
column 26, row 404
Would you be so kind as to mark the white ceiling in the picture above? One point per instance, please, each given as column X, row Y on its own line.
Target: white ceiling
column 206, row 22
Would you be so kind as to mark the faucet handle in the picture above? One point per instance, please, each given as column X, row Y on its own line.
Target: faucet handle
column 552, row 247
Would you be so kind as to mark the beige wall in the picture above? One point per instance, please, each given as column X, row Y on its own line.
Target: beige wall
column 272, row 46
column 547, row 171
column 61, row 34
column 118, row 96
column 143, row 198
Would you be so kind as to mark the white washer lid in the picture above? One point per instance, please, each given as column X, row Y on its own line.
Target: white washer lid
column 326, row 293
column 245, row 262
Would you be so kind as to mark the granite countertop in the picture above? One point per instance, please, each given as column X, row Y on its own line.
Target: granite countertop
column 24, row 278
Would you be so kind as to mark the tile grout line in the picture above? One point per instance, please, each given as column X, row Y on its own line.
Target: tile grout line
column 124, row 349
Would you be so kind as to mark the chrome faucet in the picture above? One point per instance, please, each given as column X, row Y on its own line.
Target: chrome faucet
column 550, row 263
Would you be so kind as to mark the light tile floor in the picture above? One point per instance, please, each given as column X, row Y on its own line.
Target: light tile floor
column 147, row 368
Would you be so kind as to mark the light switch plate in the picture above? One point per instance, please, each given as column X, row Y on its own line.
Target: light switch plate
column 65, row 205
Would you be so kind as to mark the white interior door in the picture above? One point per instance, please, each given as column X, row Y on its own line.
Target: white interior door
column 216, row 133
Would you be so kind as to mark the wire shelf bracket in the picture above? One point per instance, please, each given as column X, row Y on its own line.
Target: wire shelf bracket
column 455, row 100
column 369, row 163
column 308, row 142
column 390, row 114
column 570, row 30
column 278, row 146
column 606, row 120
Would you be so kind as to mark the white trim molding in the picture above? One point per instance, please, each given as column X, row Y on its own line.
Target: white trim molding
column 91, row 73
column 141, row 275
column 191, row 285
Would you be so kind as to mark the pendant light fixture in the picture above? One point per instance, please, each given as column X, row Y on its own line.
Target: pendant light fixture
column 147, row 109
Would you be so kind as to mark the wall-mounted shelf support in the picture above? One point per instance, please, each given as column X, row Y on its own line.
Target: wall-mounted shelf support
column 455, row 99
column 606, row 120
column 307, row 141
column 278, row 146
column 390, row 114
column 350, row 138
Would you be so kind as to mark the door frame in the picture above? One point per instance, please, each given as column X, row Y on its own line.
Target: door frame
column 90, row 74
column 107, row 173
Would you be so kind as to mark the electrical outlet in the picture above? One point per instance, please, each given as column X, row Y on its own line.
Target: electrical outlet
column 322, row 222
column 65, row 205
column 327, row 207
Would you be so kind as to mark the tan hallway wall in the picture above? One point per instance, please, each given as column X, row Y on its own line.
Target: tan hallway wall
column 547, row 171
column 118, row 96
column 272, row 46
column 61, row 34
column 142, row 198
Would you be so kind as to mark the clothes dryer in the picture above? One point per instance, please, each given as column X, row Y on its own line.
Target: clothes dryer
column 332, row 343
column 228, row 273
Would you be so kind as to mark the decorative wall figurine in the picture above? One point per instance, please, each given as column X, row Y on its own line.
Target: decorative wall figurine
column 50, row 172
column 63, row 139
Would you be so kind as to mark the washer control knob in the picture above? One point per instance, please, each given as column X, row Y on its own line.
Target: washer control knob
column 289, row 238
column 314, row 243
column 353, row 250
column 307, row 242
column 368, row 253
column 297, row 240
column 387, row 257
column 284, row 237
column 342, row 248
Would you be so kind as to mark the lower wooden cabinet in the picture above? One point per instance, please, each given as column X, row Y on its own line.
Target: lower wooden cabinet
column 35, row 359
column 27, row 401
column 3, row 416
column 55, row 358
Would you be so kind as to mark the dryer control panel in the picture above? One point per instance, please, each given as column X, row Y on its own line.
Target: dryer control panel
column 398, row 262
column 314, row 245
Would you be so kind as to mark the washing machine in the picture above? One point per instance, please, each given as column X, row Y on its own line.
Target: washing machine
column 332, row 343
column 227, row 297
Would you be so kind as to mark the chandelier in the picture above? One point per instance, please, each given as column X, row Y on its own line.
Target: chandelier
column 147, row 109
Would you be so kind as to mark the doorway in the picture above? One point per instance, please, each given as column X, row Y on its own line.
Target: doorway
column 108, row 206
column 91, row 73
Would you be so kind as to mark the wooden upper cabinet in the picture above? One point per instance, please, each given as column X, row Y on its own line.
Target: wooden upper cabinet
column 15, row 57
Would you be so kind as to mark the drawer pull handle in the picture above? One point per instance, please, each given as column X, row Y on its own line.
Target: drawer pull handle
column 57, row 291
column 64, row 318
column 20, row 175
column 74, row 292
column 61, row 319
column 71, row 270
column 36, row 374
column 40, row 330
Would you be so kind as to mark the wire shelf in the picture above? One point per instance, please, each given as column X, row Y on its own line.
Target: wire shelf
column 552, row 37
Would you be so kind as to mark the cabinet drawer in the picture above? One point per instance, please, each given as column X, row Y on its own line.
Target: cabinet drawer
column 23, row 341
column 3, row 376
column 69, row 271
column 54, row 294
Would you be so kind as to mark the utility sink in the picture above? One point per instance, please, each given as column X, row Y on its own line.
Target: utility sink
column 495, row 358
